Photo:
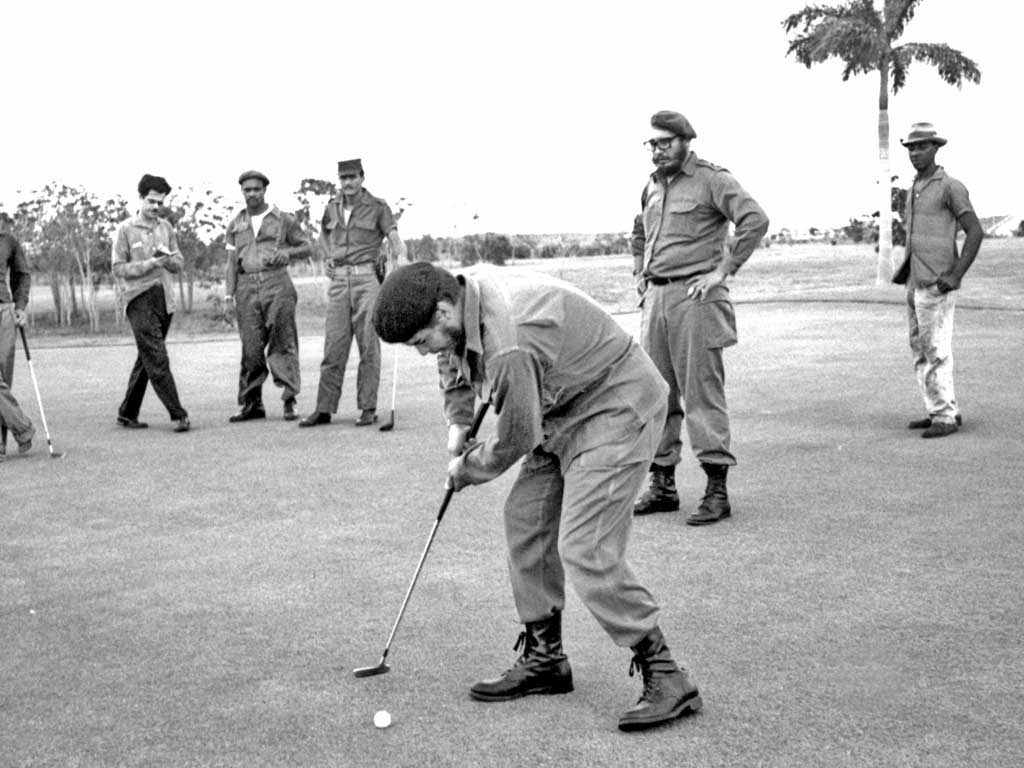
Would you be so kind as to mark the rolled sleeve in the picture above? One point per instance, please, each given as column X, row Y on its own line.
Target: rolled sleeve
column 742, row 210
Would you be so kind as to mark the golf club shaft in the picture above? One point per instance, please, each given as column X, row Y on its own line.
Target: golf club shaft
column 449, row 492
column 394, row 382
column 35, row 386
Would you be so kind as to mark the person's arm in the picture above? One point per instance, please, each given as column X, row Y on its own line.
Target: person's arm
column 21, row 281
column 297, row 243
column 516, row 397
column 231, row 268
column 399, row 253
column 950, row 281
column 173, row 261
column 637, row 242
column 751, row 224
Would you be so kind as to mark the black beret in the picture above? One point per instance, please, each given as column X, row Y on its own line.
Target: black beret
column 406, row 302
column 675, row 122
column 254, row 175
column 350, row 166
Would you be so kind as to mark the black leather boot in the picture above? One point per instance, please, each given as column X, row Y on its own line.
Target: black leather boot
column 661, row 495
column 542, row 667
column 715, row 504
column 253, row 409
column 668, row 692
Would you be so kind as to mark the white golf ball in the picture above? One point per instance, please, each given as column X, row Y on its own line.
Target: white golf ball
column 382, row 719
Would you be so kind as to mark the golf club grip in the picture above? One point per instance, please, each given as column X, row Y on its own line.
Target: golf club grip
column 24, row 342
column 474, row 428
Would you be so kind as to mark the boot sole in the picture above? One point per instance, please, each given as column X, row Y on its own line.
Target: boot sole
column 689, row 705
column 707, row 521
column 546, row 690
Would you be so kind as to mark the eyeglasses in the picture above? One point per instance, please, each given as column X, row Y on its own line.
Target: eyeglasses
column 662, row 143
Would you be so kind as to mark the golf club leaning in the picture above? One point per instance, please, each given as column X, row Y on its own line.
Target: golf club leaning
column 389, row 423
column 381, row 667
column 35, row 385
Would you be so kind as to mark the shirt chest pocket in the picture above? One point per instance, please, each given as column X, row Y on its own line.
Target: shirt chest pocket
column 366, row 223
column 686, row 216
column 242, row 234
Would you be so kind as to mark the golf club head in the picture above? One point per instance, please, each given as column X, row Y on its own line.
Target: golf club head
column 378, row 669
column 57, row 454
column 389, row 424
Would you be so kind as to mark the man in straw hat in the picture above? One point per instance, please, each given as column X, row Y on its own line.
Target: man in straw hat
column 937, row 206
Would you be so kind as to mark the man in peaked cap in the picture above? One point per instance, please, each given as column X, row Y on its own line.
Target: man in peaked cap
column 681, row 263
column 261, row 242
column 581, row 404
column 937, row 206
column 354, row 226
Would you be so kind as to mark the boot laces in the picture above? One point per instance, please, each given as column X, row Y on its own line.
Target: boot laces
column 638, row 664
column 526, row 642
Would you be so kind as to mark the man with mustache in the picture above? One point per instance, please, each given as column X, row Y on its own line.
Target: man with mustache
column 681, row 262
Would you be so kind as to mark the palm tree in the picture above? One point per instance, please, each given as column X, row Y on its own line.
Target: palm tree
column 863, row 37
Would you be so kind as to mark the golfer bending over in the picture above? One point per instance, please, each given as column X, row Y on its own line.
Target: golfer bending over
column 576, row 395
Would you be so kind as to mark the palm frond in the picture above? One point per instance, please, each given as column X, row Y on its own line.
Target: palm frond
column 952, row 65
column 898, row 13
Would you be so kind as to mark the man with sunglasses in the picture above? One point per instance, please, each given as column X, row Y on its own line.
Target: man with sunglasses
column 354, row 227
column 682, row 257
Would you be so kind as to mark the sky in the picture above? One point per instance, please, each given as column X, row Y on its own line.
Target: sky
column 528, row 115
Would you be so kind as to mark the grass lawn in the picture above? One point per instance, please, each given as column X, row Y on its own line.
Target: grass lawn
column 201, row 599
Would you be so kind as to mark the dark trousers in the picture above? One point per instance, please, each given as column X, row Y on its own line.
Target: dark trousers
column 147, row 313
column 265, row 302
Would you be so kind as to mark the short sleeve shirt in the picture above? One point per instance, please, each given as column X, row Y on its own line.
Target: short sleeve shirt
column 358, row 240
column 934, row 207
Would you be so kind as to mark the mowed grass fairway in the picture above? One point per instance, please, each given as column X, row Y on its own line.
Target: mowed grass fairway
column 201, row 599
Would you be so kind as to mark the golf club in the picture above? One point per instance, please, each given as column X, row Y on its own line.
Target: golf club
column 35, row 384
column 381, row 667
column 389, row 423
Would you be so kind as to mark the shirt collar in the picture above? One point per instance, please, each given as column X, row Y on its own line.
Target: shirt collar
column 940, row 173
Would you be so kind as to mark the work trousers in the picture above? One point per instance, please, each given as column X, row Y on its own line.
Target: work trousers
column 685, row 337
column 350, row 301
column 148, row 316
column 930, row 318
column 574, row 521
column 265, row 306
column 11, row 416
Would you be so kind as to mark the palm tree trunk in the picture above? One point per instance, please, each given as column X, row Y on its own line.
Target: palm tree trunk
column 883, row 273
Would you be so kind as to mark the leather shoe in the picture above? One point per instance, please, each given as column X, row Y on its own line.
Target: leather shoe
column 941, row 429
column 927, row 422
column 315, row 419
column 25, row 440
column 124, row 421
column 289, row 410
column 182, row 424
column 366, row 418
column 251, row 410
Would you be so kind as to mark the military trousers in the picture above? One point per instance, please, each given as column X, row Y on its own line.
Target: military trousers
column 350, row 301
column 12, row 418
column 685, row 337
column 930, row 319
column 265, row 307
column 573, row 521
column 148, row 316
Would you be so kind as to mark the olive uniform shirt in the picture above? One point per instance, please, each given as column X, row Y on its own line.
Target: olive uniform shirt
column 358, row 241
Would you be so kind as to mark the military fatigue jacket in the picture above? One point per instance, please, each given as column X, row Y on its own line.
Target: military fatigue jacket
column 561, row 373
column 686, row 222
column 359, row 240
column 135, row 248
column 248, row 250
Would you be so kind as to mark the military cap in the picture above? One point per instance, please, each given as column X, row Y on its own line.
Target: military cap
column 254, row 175
column 406, row 301
column 675, row 122
column 350, row 166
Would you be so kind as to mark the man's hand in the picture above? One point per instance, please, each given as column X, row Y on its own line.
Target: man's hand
column 20, row 317
column 948, row 282
column 329, row 270
column 277, row 259
column 641, row 284
column 699, row 287
column 456, row 479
